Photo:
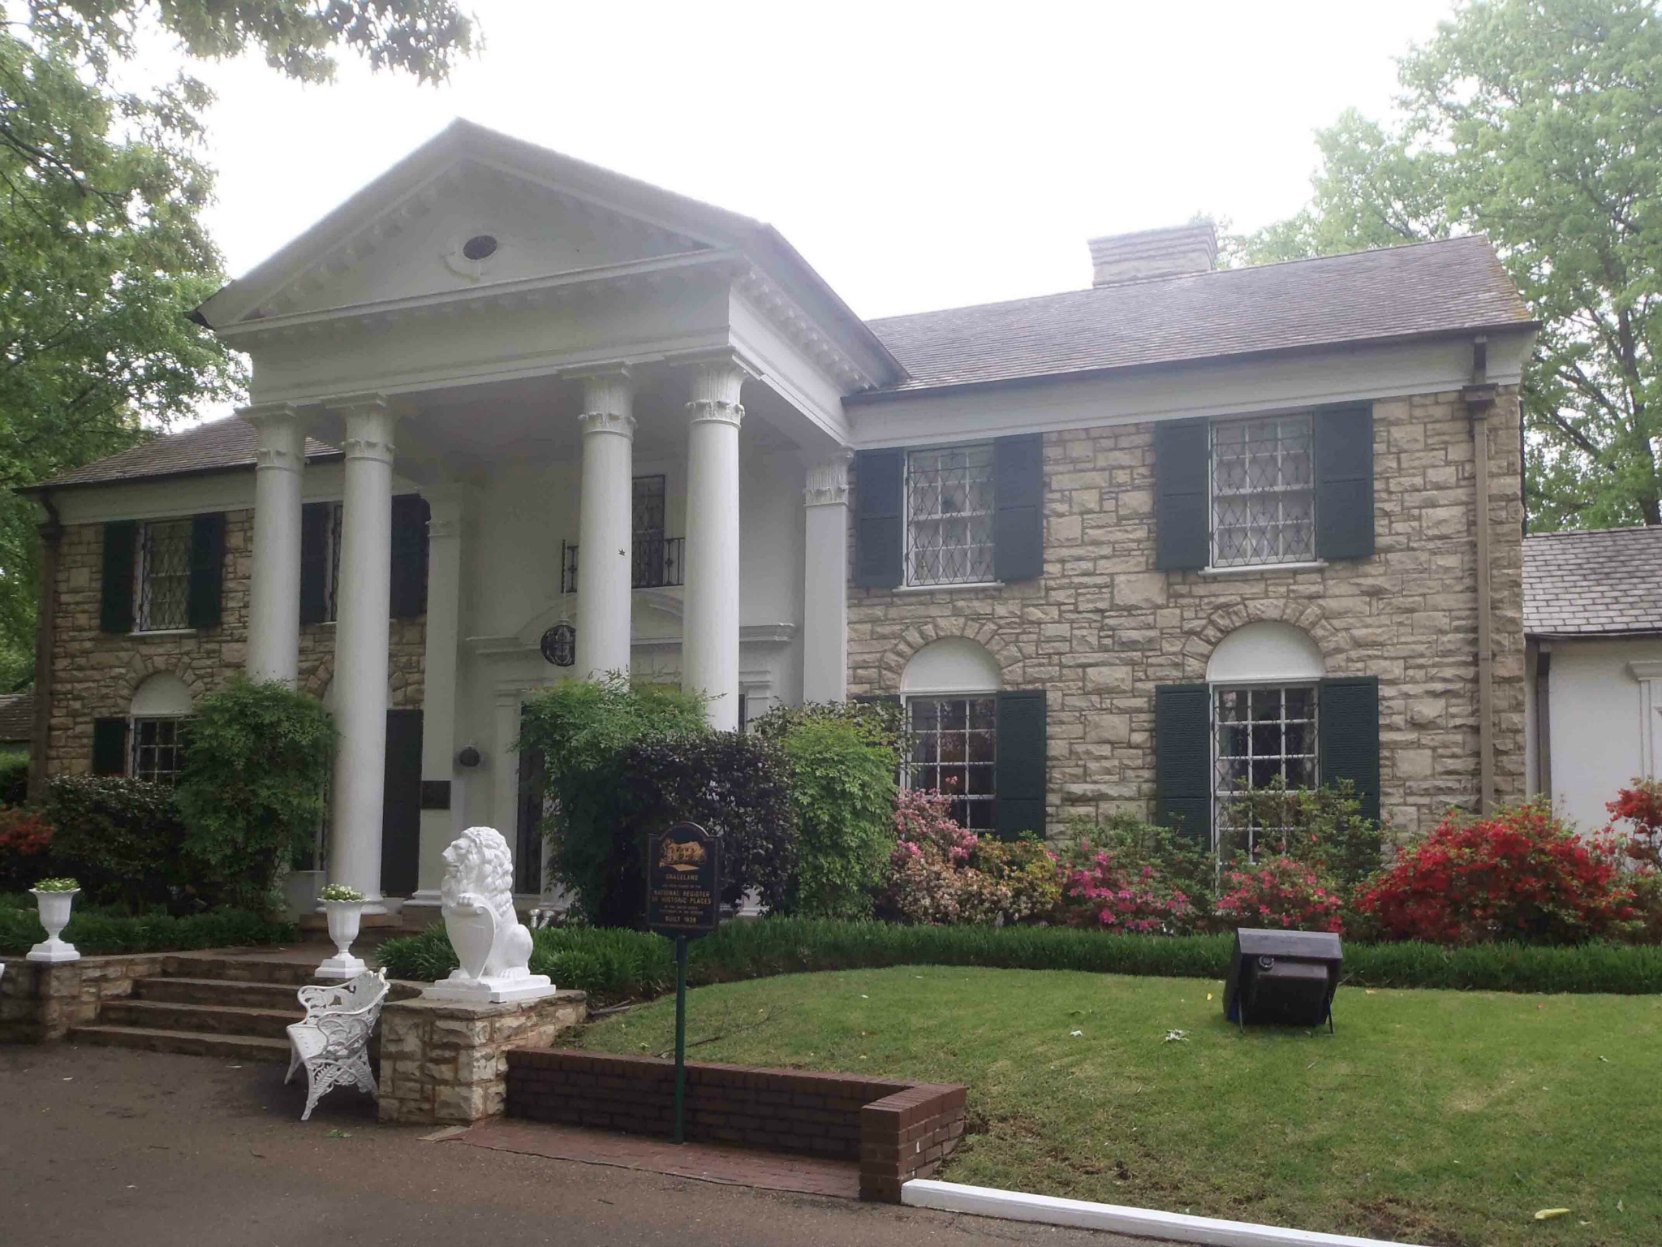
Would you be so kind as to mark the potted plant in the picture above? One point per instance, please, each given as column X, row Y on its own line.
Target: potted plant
column 53, row 900
column 345, row 908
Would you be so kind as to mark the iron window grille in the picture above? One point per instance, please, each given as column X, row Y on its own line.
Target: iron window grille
column 953, row 751
column 949, row 515
column 158, row 750
column 647, row 532
column 1262, row 736
column 163, row 573
column 1263, row 491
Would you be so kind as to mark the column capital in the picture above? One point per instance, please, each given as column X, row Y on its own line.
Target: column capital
column 608, row 401
column 714, row 383
column 279, row 435
column 369, row 423
column 827, row 483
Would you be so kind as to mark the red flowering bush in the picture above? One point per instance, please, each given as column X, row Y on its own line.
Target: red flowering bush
column 1641, row 805
column 1108, row 891
column 25, row 840
column 1519, row 874
column 1278, row 891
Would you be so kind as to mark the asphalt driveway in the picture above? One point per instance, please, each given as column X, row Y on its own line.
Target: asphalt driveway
column 102, row 1146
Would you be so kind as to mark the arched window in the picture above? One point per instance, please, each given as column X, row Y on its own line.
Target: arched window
column 950, row 693
column 160, row 707
column 1264, row 679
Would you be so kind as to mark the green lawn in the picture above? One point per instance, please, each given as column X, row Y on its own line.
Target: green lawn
column 1432, row 1116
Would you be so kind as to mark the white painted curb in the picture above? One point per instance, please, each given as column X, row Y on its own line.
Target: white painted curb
column 986, row 1201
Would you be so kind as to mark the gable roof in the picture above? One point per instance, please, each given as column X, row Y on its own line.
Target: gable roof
column 1601, row 583
column 1455, row 286
column 462, row 142
column 218, row 446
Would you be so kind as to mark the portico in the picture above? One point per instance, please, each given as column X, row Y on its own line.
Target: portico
column 529, row 343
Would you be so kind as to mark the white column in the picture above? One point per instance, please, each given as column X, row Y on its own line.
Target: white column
column 825, row 581
column 363, row 605
column 710, row 620
column 605, row 525
column 439, row 827
column 274, row 583
column 1649, row 675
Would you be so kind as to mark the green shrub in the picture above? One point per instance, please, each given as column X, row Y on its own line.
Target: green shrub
column 25, row 845
column 1322, row 827
column 580, row 728
column 252, row 790
column 610, row 964
column 14, row 776
column 120, row 837
column 99, row 932
column 617, row 965
column 842, row 777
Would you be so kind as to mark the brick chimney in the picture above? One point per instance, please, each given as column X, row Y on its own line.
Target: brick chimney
column 1174, row 252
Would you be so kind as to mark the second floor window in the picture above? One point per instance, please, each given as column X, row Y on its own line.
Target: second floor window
column 647, row 524
column 949, row 515
column 1263, row 492
column 162, row 573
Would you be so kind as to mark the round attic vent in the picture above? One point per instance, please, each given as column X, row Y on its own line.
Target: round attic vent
column 480, row 247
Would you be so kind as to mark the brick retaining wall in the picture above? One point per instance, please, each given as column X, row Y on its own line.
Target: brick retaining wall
column 895, row 1130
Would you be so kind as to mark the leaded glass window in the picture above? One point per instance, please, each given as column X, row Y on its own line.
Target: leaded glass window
column 163, row 571
column 949, row 515
column 1263, row 492
column 954, row 746
column 647, row 523
column 158, row 750
column 1263, row 736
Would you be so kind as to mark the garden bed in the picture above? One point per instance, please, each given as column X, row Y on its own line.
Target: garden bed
column 97, row 932
column 1430, row 1116
column 613, row 965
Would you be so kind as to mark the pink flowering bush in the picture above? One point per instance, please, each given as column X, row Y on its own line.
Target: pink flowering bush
column 942, row 873
column 1278, row 891
column 1109, row 891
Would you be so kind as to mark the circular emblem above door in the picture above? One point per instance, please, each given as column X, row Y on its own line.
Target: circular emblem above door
column 559, row 644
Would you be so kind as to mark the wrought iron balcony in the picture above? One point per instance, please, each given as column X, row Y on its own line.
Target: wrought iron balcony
column 658, row 564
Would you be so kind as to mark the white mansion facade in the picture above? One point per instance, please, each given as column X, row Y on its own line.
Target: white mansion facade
column 1121, row 548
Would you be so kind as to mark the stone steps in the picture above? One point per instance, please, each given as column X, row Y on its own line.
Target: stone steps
column 206, row 1004
column 225, row 1019
column 190, row 1043
column 221, row 992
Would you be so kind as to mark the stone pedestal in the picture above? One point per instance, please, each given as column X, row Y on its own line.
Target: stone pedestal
column 445, row 1062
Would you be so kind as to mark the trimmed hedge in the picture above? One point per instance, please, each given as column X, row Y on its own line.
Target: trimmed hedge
column 97, row 933
column 619, row 964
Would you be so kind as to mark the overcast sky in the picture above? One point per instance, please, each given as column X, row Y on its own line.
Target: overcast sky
column 920, row 155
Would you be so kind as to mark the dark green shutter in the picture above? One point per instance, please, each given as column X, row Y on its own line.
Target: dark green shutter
column 1347, row 719
column 109, row 746
column 410, row 514
column 1019, row 502
column 879, row 518
column 120, row 547
column 1019, row 765
column 1183, row 759
column 1344, row 483
column 1182, row 505
column 314, row 561
column 207, row 569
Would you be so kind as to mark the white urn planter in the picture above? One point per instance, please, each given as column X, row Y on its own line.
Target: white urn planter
column 345, row 917
column 54, row 908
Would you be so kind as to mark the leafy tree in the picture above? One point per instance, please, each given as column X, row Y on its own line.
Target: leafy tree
column 1539, row 124
column 102, row 254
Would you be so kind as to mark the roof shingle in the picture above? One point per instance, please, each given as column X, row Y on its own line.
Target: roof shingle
column 217, row 446
column 1436, row 287
column 1600, row 583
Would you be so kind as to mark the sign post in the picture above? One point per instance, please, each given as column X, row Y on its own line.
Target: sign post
column 683, row 901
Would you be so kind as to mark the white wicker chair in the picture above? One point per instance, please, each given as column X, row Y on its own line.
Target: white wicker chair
column 333, row 1042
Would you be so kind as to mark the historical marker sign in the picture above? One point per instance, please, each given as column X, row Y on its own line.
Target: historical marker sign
column 683, row 881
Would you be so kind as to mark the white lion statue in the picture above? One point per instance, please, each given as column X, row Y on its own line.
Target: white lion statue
column 477, row 900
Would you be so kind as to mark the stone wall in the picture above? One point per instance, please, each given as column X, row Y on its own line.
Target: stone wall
column 445, row 1062
column 1102, row 628
column 95, row 673
column 41, row 1001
